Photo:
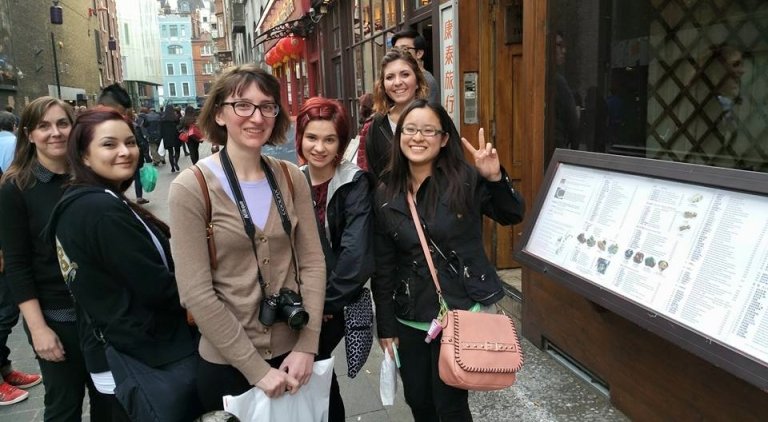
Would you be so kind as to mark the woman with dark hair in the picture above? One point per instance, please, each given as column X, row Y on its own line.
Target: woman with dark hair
column 193, row 133
column 267, row 251
column 116, row 259
column 30, row 189
column 169, row 130
column 400, row 82
column 341, row 194
column 428, row 167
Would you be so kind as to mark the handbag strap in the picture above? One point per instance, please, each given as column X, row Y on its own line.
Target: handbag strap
column 209, row 223
column 424, row 247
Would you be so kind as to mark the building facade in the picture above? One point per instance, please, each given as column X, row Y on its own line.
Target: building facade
column 140, row 48
column 28, row 42
column 176, row 60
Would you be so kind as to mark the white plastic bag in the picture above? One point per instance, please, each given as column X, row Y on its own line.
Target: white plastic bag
column 388, row 380
column 309, row 404
column 161, row 149
column 350, row 154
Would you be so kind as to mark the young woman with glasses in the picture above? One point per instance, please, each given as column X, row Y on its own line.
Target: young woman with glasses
column 256, row 256
column 451, row 198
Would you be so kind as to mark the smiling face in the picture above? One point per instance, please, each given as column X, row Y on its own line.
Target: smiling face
column 112, row 153
column 50, row 135
column 400, row 82
column 417, row 148
column 247, row 132
column 320, row 144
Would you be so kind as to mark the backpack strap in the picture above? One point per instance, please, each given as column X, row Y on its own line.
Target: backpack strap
column 209, row 224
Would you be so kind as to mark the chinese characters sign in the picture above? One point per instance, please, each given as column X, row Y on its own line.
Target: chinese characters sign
column 449, row 62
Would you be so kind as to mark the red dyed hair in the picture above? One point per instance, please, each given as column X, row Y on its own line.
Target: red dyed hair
column 319, row 108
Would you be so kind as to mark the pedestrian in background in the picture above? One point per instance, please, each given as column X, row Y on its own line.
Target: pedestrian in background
column 400, row 82
column 451, row 198
column 169, row 131
column 341, row 194
column 29, row 190
column 193, row 133
column 7, row 139
column 154, row 136
column 116, row 259
column 249, row 338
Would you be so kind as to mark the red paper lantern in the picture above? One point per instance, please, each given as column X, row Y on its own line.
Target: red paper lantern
column 271, row 58
column 294, row 46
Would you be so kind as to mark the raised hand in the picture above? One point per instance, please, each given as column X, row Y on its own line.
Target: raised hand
column 486, row 158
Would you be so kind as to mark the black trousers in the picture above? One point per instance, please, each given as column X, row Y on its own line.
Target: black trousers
column 173, row 153
column 331, row 334
column 9, row 316
column 66, row 382
column 215, row 381
column 194, row 150
column 429, row 398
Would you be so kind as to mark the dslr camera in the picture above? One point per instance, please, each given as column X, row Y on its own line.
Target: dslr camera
column 285, row 305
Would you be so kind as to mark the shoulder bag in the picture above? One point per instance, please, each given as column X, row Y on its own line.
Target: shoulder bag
column 478, row 351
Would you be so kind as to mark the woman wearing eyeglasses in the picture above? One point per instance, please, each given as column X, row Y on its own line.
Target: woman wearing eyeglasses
column 400, row 82
column 451, row 199
column 267, row 248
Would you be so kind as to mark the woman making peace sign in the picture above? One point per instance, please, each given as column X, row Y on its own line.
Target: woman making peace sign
column 451, row 198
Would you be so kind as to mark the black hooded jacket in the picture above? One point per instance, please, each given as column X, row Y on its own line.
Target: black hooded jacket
column 119, row 279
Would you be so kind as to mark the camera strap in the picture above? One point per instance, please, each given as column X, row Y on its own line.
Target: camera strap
column 245, row 215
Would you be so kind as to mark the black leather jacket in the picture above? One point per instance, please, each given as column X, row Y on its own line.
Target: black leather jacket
column 348, row 226
column 402, row 285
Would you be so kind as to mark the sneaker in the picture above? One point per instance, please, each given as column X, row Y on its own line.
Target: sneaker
column 10, row 394
column 20, row 379
column 142, row 201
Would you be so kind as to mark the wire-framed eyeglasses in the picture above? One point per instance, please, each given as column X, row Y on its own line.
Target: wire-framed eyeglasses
column 426, row 132
column 246, row 109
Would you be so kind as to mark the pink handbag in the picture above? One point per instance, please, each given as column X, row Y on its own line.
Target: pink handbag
column 478, row 351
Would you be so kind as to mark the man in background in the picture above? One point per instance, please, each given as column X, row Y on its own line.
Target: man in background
column 7, row 139
column 414, row 43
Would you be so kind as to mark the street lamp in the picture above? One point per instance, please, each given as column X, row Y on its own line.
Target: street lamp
column 57, row 18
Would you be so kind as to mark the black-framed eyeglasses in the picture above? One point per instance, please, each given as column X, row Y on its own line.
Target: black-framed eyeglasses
column 426, row 132
column 246, row 109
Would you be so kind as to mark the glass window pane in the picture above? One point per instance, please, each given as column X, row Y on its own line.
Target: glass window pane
column 681, row 81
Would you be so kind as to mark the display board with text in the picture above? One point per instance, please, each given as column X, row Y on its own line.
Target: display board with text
column 680, row 249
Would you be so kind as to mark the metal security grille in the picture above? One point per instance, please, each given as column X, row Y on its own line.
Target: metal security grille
column 708, row 82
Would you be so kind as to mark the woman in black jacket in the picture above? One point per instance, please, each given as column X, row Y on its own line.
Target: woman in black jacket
column 341, row 194
column 451, row 198
column 116, row 260
column 400, row 82
column 169, row 130
column 31, row 186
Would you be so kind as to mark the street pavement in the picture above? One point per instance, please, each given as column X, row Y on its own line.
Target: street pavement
column 545, row 390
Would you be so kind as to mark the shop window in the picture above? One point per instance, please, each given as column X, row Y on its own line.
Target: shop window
column 672, row 80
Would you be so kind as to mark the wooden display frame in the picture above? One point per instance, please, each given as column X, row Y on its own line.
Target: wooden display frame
column 731, row 359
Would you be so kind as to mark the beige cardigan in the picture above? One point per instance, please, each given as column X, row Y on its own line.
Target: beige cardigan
column 225, row 302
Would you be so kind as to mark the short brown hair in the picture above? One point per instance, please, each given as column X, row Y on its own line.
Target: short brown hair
column 234, row 81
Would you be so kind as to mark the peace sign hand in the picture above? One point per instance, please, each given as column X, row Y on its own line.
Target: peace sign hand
column 486, row 158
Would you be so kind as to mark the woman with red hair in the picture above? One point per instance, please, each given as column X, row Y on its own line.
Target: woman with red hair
column 341, row 195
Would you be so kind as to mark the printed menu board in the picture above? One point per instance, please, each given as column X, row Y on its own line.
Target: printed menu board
column 697, row 255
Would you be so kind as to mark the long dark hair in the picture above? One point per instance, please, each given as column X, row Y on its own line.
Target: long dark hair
column 451, row 173
column 81, row 175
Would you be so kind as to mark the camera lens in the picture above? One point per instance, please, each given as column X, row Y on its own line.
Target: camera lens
column 297, row 318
